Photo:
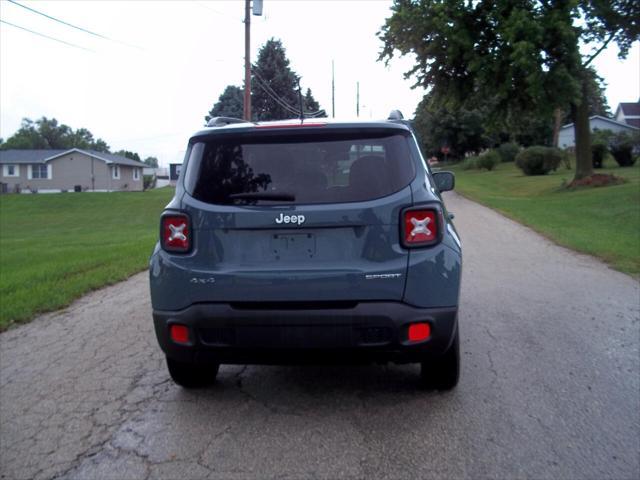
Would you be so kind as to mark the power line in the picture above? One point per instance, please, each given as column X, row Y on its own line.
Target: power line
column 269, row 91
column 272, row 93
column 207, row 7
column 287, row 107
column 33, row 10
column 278, row 101
column 47, row 36
column 265, row 86
column 58, row 20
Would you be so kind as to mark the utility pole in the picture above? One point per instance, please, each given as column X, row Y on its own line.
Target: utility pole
column 358, row 99
column 247, row 60
column 333, row 90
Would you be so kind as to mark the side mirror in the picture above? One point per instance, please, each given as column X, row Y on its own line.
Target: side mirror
column 445, row 181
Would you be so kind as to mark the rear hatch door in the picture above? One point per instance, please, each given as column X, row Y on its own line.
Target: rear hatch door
column 305, row 215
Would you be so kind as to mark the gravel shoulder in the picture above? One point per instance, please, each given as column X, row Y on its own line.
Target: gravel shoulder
column 550, row 387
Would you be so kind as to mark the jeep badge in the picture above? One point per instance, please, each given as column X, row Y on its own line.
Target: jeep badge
column 299, row 219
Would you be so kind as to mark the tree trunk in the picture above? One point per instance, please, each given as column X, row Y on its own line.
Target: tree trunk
column 582, row 132
column 557, row 123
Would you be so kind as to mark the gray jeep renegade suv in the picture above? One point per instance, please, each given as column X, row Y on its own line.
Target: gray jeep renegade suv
column 307, row 241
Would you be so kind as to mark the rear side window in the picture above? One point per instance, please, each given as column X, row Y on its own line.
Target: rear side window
column 305, row 168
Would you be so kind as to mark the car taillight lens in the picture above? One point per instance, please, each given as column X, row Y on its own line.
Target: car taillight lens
column 418, row 332
column 179, row 333
column 420, row 227
column 175, row 233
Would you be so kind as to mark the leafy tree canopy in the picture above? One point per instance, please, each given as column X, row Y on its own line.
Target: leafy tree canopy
column 596, row 99
column 46, row 133
column 151, row 161
column 129, row 155
column 462, row 131
column 229, row 104
column 523, row 54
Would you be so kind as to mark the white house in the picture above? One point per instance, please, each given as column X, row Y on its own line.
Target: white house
column 629, row 113
column 566, row 138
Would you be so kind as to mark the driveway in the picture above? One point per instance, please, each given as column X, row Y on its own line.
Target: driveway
column 550, row 387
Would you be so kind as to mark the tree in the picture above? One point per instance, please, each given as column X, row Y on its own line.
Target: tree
column 274, row 86
column 595, row 98
column 151, row 161
column 129, row 155
column 83, row 139
column 47, row 133
column 274, row 94
column 523, row 54
column 463, row 130
column 229, row 104
column 274, row 90
column 311, row 105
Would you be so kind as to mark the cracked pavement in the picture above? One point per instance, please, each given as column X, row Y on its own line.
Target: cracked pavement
column 550, row 387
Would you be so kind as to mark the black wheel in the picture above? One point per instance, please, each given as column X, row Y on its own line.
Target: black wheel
column 442, row 373
column 188, row 375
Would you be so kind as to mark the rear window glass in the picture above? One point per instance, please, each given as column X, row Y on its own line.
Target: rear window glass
column 299, row 169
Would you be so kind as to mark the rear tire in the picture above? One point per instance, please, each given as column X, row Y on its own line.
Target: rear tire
column 189, row 375
column 443, row 373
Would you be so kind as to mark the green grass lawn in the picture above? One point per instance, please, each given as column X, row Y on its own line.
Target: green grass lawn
column 54, row 248
column 603, row 222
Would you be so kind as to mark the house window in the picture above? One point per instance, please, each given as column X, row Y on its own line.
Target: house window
column 39, row 171
column 116, row 172
column 136, row 174
column 10, row 171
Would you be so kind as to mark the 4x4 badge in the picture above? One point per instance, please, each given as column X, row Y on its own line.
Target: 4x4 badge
column 299, row 219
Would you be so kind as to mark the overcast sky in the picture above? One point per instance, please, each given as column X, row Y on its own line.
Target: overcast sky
column 149, row 86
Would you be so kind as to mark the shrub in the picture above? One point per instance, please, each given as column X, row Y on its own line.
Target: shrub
column 539, row 160
column 622, row 145
column 148, row 181
column 600, row 140
column 470, row 163
column 508, row 151
column 488, row 160
column 598, row 152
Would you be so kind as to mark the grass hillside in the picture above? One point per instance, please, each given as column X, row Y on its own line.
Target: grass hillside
column 603, row 221
column 54, row 248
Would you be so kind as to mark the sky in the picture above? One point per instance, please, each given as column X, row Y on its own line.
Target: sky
column 148, row 85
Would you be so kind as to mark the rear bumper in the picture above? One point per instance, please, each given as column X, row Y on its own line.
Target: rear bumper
column 302, row 333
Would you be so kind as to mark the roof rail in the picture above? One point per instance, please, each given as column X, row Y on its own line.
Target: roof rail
column 395, row 115
column 222, row 121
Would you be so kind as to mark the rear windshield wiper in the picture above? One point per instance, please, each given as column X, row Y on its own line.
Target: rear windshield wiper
column 276, row 196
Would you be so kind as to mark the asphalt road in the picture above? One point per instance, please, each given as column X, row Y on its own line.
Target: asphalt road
column 550, row 387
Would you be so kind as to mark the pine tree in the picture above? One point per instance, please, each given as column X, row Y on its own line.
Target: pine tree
column 274, row 94
column 311, row 105
column 229, row 104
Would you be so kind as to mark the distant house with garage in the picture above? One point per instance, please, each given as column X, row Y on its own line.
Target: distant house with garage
column 566, row 137
column 50, row 171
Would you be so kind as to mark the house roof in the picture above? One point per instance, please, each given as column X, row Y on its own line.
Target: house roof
column 630, row 108
column 42, row 156
column 600, row 117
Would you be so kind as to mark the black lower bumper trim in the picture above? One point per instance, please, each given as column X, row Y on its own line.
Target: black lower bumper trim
column 366, row 332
